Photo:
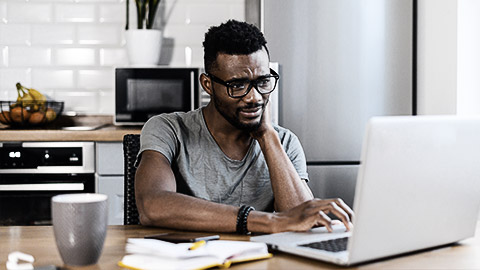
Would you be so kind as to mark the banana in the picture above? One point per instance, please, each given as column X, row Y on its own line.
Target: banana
column 39, row 97
column 31, row 95
column 22, row 95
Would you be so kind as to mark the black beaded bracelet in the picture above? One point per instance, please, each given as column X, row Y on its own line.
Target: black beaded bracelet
column 242, row 219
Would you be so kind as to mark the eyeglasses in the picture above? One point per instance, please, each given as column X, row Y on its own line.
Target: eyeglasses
column 238, row 88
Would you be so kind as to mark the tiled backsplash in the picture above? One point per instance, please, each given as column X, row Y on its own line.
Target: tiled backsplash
column 68, row 49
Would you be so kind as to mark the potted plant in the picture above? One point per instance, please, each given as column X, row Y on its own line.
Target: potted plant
column 143, row 43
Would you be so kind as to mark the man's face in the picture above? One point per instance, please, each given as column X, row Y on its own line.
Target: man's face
column 243, row 113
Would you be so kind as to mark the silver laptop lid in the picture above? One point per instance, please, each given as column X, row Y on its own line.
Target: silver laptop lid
column 418, row 185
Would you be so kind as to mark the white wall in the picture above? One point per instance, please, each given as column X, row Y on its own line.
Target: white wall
column 68, row 48
column 468, row 86
column 437, row 57
column 448, row 57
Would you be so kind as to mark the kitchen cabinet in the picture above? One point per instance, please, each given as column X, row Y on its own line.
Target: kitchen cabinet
column 107, row 162
column 109, row 174
column 112, row 186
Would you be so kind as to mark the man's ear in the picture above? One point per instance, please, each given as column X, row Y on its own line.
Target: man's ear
column 206, row 84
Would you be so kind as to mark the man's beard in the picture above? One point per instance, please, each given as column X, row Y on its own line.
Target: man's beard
column 234, row 121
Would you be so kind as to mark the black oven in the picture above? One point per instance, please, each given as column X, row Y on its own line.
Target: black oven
column 141, row 93
column 31, row 173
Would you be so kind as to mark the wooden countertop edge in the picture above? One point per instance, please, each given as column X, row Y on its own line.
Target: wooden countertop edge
column 106, row 135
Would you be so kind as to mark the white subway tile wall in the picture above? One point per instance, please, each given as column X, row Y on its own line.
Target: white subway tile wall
column 15, row 34
column 3, row 60
column 113, row 57
column 28, row 12
column 53, row 34
column 3, row 11
column 75, row 57
column 68, row 49
column 10, row 76
column 29, row 56
column 75, row 12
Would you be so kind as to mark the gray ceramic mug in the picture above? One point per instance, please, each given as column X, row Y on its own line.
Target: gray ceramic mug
column 80, row 226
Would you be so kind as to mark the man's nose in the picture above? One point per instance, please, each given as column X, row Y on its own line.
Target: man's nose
column 253, row 95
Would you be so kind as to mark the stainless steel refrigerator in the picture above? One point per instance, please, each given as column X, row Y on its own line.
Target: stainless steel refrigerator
column 341, row 62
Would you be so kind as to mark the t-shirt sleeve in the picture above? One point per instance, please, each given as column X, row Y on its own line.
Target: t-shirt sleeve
column 159, row 134
column 294, row 151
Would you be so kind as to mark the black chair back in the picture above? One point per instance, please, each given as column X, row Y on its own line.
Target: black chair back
column 131, row 146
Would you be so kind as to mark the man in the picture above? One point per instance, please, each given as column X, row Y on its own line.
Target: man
column 225, row 167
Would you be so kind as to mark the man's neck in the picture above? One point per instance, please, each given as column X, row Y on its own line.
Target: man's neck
column 233, row 142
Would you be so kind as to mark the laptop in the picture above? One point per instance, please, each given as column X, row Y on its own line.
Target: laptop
column 418, row 187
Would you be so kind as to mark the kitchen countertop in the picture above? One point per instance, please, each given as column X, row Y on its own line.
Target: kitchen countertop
column 71, row 128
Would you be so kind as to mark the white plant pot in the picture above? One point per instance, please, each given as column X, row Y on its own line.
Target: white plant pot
column 143, row 46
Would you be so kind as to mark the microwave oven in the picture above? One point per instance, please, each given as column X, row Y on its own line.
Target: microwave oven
column 141, row 93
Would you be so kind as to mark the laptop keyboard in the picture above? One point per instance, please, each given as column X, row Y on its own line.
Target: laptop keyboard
column 333, row 245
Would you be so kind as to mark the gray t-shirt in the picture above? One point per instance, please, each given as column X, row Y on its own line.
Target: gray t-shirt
column 201, row 168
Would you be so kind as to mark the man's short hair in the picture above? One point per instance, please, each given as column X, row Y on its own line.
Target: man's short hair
column 234, row 38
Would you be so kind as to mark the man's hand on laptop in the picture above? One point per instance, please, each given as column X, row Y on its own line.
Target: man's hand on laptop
column 315, row 213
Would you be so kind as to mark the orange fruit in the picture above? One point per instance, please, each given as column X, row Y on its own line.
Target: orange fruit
column 36, row 118
column 5, row 118
column 19, row 114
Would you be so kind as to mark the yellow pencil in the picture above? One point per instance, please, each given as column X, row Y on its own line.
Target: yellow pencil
column 197, row 244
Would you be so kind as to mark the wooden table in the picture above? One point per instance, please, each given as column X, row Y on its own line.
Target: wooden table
column 39, row 242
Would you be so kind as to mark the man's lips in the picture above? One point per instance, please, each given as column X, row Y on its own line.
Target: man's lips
column 251, row 112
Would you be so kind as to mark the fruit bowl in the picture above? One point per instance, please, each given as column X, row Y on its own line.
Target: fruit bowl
column 29, row 113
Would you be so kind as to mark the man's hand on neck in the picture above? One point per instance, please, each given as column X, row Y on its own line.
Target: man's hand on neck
column 265, row 127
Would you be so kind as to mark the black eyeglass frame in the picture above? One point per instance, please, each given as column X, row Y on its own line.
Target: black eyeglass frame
column 252, row 83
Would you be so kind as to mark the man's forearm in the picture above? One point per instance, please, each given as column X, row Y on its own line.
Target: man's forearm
column 179, row 211
column 182, row 212
column 288, row 189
